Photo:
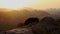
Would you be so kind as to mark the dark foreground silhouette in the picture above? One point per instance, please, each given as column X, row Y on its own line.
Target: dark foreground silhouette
column 26, row 28
column 46, row 25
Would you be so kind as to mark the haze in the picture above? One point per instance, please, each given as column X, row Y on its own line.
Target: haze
column 38, row 4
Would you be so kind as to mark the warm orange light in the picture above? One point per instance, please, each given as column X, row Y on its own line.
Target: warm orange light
column 14, row 4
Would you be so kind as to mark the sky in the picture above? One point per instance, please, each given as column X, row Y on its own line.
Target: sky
column 37, row 4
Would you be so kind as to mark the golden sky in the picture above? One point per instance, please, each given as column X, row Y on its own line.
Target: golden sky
column 39, row 4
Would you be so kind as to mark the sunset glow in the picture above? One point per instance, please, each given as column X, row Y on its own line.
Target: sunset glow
column 14, row 4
